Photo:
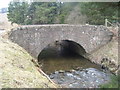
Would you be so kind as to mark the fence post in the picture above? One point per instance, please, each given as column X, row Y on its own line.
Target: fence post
column 106, row 22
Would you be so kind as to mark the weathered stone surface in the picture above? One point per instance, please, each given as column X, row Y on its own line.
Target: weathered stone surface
column 34, row 38
column 108, row 56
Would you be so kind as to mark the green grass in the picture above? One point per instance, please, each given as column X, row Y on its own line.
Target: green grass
column 114, row 83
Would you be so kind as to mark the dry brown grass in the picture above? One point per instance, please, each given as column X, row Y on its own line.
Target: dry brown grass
column 4, row 23
column 17, row 70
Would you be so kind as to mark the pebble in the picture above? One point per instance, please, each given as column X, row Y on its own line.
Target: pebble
column 61, row 71
column 56, row 72
column 51, row 76
column 85, row 78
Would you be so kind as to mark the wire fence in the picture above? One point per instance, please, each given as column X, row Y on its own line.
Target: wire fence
column 108, row 23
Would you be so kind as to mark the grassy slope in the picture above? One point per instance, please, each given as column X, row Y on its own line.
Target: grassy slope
column 17, row 70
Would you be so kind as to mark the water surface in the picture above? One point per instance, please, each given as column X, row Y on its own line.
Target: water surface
column 50, row 65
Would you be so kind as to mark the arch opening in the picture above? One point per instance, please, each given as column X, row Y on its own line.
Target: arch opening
column 63, row 55
column 62, row 48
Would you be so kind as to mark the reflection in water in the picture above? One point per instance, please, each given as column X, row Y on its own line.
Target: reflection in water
column 51, row 65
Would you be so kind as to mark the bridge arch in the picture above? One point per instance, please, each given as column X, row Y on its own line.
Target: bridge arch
column 62, row 48
column 34, row 38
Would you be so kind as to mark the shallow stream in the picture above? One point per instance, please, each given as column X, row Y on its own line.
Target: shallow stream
column 74, row 72
column 71, row 70
column 50, row 65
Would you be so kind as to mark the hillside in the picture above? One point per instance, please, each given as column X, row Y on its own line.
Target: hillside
column 17, row 69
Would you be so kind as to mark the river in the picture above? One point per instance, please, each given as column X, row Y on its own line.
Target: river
column 50, row 65
column 74, row 72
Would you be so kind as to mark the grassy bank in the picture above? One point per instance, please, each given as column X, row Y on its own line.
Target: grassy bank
column 17, row 70
column 114, row 83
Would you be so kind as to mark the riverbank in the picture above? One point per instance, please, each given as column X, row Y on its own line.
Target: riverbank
column 17, row 69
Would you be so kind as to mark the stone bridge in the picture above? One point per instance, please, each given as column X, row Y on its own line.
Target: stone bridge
column 34, row 38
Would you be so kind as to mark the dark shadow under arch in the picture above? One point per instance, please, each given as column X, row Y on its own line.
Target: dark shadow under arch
column 62, row 48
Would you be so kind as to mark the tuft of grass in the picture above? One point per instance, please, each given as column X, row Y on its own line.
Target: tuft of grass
column 114, row 83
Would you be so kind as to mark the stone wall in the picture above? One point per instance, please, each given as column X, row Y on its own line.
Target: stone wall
column 34, row 38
